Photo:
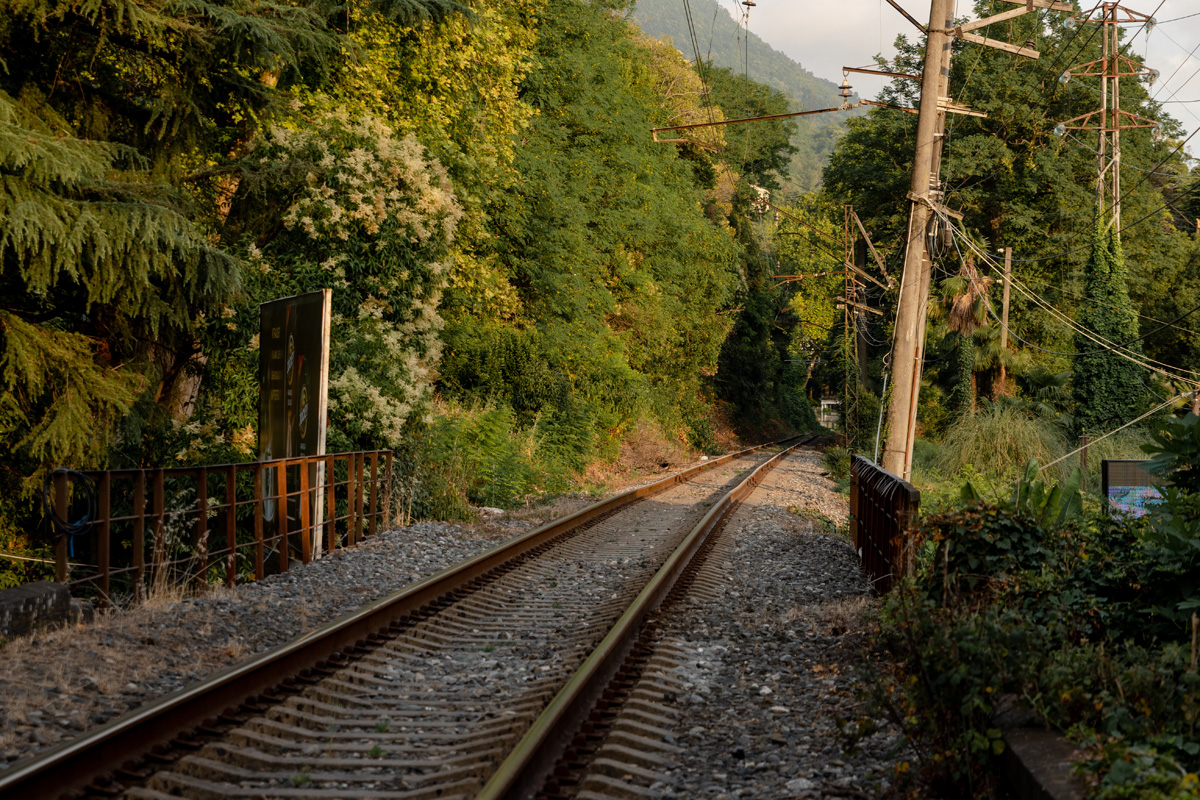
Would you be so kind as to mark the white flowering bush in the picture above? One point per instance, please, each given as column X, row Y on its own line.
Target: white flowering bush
column 372, row 215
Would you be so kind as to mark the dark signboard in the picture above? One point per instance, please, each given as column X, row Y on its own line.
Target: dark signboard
column 1128, row 488
column 293, row 365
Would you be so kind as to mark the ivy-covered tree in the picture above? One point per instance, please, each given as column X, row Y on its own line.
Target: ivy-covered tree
column 1108, row 388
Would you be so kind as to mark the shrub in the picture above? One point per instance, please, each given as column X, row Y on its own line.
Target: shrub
column 837, row 462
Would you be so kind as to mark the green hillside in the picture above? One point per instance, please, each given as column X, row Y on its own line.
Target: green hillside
column 718, row 34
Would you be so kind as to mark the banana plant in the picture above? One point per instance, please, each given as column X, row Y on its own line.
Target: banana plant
column 1050, row 505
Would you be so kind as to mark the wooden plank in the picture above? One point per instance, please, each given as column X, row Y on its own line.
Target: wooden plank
column 983, row 23
column 999, row 45
column 1046, row 4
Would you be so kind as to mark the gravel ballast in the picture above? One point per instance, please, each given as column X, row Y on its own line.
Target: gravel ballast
column 771, row 678
column 777, row 655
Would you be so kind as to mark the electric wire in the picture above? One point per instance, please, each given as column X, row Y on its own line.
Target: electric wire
column 1108, row 347
column 1060, row 290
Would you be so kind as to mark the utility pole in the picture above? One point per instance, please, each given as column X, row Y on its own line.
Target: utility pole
column 850, row 316
column 1004, row 312
column 925, row 197
column 914, row 282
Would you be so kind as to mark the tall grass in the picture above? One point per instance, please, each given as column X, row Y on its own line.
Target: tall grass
column 997, row 442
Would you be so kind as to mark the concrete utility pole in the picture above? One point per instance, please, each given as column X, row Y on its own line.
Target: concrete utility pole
column 924, row 196
column 914, row 282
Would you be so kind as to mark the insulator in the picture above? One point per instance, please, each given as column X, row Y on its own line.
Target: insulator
column 1065, row 77
column 1060, row 129
column 1157, row 131
column 1150, row 25
column 1152, row 77
column 748, row 3
column 845, row 89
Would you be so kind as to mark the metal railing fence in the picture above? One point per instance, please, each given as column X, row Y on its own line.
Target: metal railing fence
column 187, row 527
column 883, row 517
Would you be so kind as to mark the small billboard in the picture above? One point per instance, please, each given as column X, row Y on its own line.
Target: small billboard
column 1128, row 488
column 293, row 365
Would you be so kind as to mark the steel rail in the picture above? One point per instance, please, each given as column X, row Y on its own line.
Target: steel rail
column 534, row 757
column 95, row 758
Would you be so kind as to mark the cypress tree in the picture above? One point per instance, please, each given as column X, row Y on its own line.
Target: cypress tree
column 1108, row 389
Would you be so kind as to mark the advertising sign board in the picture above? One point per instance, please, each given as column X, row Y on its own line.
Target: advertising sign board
column 293, row 367
column 1128, row 488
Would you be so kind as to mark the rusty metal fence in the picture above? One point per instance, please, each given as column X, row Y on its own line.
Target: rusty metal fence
column 189, row 527
column 883, row 517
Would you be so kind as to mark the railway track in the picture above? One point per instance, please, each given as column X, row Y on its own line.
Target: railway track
column 472, row 683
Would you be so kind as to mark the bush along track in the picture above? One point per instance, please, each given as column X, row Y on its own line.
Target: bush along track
column 1090, row 621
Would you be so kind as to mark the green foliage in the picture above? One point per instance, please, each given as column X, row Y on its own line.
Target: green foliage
column 1172, row 532
column 724, row 42
column 1108, row 388
column 1048, row 506
column 478, row 455
column 836, row 461
column 1174, row 452
column 759, row 153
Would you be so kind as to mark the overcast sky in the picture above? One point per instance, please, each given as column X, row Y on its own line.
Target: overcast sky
column 824, row 36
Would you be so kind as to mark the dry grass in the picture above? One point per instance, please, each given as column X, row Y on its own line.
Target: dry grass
column 80, row 670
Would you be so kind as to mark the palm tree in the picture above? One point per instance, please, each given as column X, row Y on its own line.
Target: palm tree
column 965, row 299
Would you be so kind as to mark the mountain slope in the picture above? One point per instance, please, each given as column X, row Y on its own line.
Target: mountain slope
column 723, row 41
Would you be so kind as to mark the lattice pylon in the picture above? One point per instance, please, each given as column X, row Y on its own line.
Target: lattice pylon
column 1109, row 120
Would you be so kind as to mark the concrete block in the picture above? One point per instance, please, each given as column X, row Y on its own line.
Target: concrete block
column 33, row 607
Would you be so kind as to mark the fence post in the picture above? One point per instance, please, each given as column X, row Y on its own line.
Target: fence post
column 159, row 556
column 387, row 496
column 259, row 555
column 103, row 550
column 282, row 513
column 62, row 567
column 201, row 558
column 305, row 514
column 360, row 464
column 374, row 490
column 330, row 506
column 231, row 526
column 139, row 536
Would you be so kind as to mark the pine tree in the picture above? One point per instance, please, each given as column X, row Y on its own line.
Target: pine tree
column 1108, row 388
column 109, row 261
